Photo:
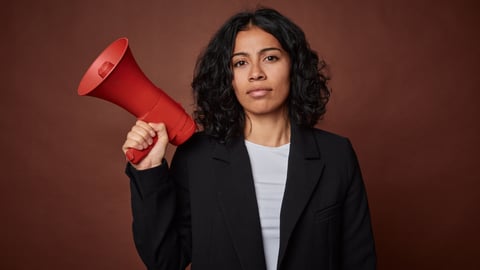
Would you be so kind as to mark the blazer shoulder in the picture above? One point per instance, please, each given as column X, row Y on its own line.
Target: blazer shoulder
column 333, row 145
column 325, row 137
column 197, row 145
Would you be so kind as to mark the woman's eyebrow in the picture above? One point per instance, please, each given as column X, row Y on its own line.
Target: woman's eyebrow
column 260, row 52
column 270, row 49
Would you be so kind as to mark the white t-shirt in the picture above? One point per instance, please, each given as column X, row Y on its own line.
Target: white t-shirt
column 269, row 169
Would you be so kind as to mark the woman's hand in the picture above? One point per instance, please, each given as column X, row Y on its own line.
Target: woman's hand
column 141, row 136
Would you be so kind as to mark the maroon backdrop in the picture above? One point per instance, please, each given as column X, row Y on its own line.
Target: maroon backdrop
column 405, row 91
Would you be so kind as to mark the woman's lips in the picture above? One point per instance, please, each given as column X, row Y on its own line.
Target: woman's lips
column 256, row 93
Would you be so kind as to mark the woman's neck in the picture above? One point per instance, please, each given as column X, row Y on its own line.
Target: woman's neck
column 268, row 130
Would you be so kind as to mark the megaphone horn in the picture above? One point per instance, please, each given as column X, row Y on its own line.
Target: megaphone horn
column 115, row 76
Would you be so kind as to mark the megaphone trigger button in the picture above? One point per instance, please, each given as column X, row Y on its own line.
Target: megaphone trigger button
column 129, row 155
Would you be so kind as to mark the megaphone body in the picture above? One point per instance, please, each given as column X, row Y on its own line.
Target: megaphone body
column 116, row 77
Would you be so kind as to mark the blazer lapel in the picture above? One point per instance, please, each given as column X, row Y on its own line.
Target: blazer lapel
column 304, row 170
column 238, row 202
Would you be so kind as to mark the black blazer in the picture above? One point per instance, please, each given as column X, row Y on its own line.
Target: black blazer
column 203, row 208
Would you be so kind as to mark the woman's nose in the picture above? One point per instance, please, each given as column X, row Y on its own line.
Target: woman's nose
column 256, row 74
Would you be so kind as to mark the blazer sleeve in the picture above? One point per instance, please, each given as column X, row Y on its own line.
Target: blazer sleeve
column 358, row 249
column 161, row 223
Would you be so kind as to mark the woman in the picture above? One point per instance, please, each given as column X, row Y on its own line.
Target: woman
column 259, row 187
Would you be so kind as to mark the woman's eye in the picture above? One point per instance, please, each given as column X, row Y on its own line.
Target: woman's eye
column 271, row 58
column 239, row 63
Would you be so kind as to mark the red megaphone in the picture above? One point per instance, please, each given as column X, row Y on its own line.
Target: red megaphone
column 116, row 77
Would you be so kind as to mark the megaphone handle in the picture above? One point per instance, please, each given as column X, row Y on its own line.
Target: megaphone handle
column 135, row 156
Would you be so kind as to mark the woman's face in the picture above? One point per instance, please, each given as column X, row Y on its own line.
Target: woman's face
column 261, row 72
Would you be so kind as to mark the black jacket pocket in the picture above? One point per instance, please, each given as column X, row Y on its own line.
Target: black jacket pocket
column 327, row 213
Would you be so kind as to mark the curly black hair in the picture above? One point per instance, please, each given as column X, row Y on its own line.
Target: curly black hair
column 217, row 109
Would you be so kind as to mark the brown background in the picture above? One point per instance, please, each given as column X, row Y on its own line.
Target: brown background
column 405, row 91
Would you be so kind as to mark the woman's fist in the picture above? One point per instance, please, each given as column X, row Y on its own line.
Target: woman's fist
column 141, row 136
